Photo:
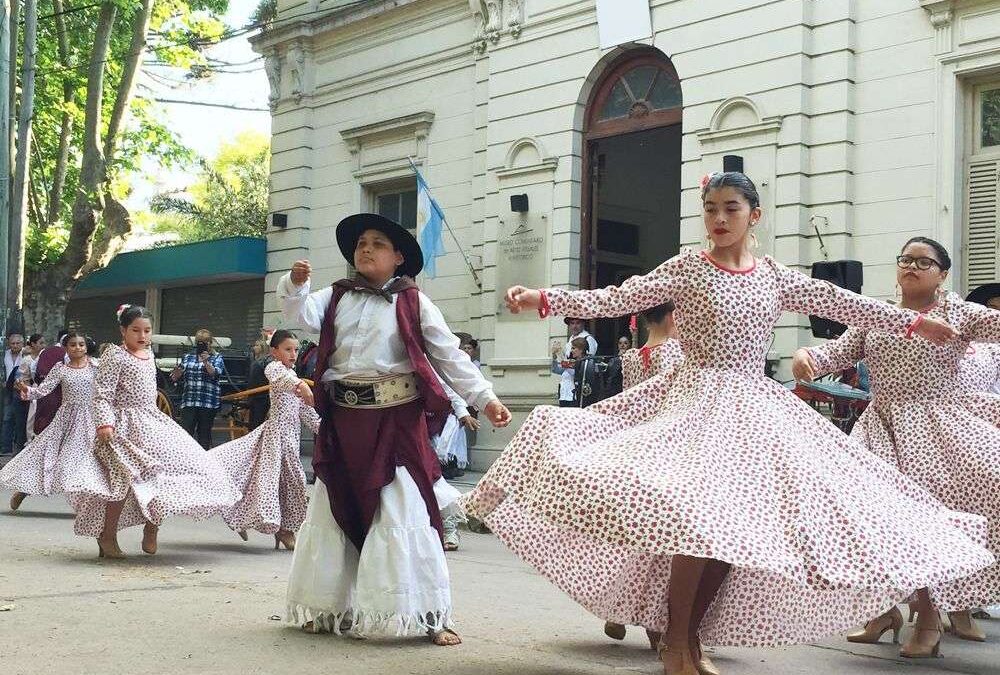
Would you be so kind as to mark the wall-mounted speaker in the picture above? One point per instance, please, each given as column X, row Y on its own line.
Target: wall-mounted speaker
column 519, row 203
column 732, row 163
column 847, row 274
column 279, row 219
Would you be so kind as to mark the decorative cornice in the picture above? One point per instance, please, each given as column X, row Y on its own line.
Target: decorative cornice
column 417, row 125
column 495, row 18
column 942, row 17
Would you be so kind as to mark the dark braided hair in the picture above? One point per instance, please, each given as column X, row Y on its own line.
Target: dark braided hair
column 659, row 312
column 944, row 260
column 133, row 312
column 733, row 179
column 280, row 336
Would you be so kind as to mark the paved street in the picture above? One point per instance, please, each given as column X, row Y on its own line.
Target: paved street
column 208, row 603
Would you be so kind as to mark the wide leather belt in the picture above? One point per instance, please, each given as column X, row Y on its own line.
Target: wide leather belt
column 386, row 391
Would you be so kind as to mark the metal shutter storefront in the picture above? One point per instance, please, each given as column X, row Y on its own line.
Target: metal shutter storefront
column 234, row 309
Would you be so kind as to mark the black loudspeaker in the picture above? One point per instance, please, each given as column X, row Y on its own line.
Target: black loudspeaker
column 732, row 163
column 519, row 203
column 279, row 219
column 847, row 274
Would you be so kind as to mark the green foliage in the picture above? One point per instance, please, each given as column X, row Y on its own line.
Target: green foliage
column 179, row 30
column 229, row 198
column 266, row 12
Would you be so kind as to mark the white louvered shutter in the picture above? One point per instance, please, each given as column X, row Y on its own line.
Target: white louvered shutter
column 982, row 229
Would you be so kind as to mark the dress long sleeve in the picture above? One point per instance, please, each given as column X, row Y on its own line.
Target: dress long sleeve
column 976, row 322
column 300, row 306
column 799, row 293
column 634, row 295
column 48, row 385
column 281, row 377
column 106, row 385
column 309, row 416
column 452, row 364
column 840, row 354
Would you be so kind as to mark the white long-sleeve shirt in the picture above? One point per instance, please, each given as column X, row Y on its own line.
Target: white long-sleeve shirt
column 368, row 341
column 566, row 383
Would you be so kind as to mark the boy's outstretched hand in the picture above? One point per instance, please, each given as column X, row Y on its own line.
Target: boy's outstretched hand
column 497, row 413
column 301, row 271
column 519, row 298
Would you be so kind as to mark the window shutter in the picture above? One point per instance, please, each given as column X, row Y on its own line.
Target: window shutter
column 981, row 236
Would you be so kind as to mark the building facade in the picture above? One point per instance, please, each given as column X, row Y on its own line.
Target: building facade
column 863, row 122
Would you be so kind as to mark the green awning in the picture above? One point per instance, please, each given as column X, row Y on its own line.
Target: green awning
column 229, row 259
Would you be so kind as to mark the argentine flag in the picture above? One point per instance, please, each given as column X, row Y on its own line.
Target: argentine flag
column 430, row 224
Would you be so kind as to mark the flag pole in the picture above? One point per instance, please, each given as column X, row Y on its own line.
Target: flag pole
column 468, row 261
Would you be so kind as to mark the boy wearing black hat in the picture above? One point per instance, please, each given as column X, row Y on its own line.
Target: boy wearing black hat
column 380, row 492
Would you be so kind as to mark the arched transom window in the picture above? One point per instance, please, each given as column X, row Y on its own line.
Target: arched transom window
column 638, row 92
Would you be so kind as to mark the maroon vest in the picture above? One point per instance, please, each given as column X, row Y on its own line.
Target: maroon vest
column 353, row 505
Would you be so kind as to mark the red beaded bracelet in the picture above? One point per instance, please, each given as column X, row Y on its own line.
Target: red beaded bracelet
column 913, row 326
column 544, row 308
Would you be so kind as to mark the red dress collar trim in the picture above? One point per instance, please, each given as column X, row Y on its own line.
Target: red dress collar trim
column 706, row 256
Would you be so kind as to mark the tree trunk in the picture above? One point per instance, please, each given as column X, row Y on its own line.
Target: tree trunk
column 52, row 286
column 126, row 88
column 45, row 302
column 66, row 126
column 19, row 203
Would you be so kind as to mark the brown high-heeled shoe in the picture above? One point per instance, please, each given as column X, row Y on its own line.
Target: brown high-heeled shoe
column 109, row 549
column 879, row 626
column 654, row 639
column 16, row 499
column 912, row 606
column 677, row 660
column 964, row 628
column 149, row 533
column 615, row 631
column 243, row 535
column 703, row 663
column 925, row 642
column 284, row 538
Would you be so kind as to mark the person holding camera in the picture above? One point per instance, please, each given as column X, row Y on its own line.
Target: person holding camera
column 201, row 400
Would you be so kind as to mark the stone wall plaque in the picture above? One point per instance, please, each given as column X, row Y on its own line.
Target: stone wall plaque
column 522, row 258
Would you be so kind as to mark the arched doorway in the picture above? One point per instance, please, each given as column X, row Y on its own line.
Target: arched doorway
column 632, row 183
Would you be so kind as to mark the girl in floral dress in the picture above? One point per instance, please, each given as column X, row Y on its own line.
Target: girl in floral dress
column 659, row 357
column 61, row 458
column 736, row 510
column 152, row 468
column 926, row 421
column 662, row 351
column 265, row 464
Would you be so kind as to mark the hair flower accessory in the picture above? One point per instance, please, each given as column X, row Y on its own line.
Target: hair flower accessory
column 707, row 177
column 121, row 310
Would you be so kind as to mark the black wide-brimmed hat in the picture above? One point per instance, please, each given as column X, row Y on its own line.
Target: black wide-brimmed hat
column 982, row 294
column 350, row 229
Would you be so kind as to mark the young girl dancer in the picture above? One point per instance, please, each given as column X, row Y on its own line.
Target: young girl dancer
column 662, row 351
column 265, row 464
column 924, row 420
column 748, row 517
column 29, row 364
column 61, row 458
column 153, row 468
column 660, row 356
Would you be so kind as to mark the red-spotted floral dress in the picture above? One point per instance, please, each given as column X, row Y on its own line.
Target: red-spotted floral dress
column 931, row 418
column 821, row 534
column 150, row 463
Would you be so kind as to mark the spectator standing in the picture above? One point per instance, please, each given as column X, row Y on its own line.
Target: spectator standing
column 46, row 407
column 15, row 411
column 567, row 380
column 29, row 364
column 202, row 397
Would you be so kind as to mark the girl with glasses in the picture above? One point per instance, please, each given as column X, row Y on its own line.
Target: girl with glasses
column 925, row 420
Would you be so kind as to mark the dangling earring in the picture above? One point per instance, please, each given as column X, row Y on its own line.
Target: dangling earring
column 754, row 244
column 938, row 295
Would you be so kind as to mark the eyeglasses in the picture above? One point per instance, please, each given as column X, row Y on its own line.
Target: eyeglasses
column 904, row 261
